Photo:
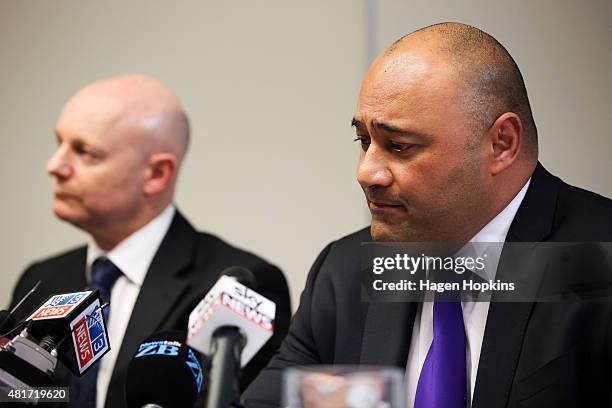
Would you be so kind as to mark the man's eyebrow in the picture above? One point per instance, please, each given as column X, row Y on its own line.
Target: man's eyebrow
column 380, row 125
column 80, row 142
column 391, row 129
column 387, row 127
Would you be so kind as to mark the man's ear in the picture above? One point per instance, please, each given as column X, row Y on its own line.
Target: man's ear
column 505, row 138
column 161, row 172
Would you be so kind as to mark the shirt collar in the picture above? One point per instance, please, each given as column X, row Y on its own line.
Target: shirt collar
column 489, row 240
column 134, row 255
column 497, row 229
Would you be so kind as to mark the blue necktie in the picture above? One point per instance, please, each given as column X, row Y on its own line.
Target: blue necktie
column 443, row 379
column 104, row 274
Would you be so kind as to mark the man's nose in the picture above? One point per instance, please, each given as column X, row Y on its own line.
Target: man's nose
column 373, row 170
column 58, row 165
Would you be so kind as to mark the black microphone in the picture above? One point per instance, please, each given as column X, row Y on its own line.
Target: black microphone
column 242, row 275
column 29, row 359
column 230, row 324
column 164, row 372
column 73, row 325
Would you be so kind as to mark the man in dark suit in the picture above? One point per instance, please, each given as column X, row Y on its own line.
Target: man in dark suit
column 449, row 153
column 120, row 145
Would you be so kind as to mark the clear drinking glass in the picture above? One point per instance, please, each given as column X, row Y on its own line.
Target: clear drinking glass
column 344, row 386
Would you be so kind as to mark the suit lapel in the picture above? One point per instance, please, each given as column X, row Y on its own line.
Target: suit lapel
column 73, row 277
column 501, row 347
column 160, row 290
column 507, row 322
column 387, row 332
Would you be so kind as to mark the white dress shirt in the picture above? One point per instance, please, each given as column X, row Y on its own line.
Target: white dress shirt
column 474, row 313
column 132, row 256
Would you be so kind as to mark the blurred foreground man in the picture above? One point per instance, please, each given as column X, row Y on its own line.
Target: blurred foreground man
column 449, row 152
column 121, row 142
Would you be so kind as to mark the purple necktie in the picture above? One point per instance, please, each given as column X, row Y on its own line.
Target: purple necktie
column 443, row 379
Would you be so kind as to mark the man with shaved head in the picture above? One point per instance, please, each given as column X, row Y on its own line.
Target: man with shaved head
column 449, row 153
column 121, row 142
column 120, row 145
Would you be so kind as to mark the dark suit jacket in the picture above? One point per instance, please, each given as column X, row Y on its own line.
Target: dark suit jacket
column 533, row 354
column 184, row 268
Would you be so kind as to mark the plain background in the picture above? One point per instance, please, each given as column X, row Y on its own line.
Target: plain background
column 270, row 88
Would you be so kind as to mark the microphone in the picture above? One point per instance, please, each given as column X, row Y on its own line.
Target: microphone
column 164, row 372
column 7, row 319
column 231, row 324
column 29, row 359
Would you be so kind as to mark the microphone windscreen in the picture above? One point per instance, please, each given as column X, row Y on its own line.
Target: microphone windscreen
column 242, row 275
column 164, row 371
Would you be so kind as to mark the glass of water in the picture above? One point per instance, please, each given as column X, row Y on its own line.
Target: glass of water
column 344, row 386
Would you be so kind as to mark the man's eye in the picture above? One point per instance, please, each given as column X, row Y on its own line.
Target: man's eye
column 80, row 150
column 83, row 151
column 364, row 141
column 395, row 147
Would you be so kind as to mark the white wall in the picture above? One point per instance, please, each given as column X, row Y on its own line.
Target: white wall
column 270, row 88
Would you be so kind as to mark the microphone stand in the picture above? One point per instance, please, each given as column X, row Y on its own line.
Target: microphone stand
column 227, row 345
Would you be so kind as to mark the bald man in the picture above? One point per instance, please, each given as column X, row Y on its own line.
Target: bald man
column 449, row 152
column 121, row 142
